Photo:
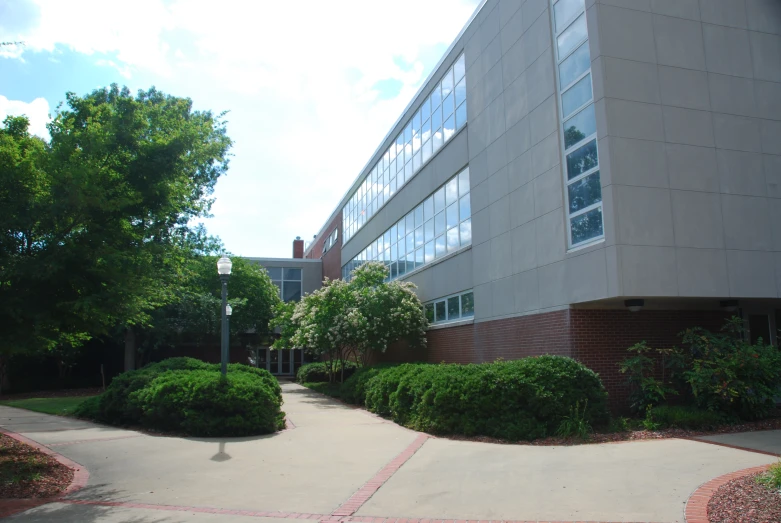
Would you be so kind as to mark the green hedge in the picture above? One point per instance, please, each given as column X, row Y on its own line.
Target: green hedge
column 353, row 390
column 190, row 396
column 515, row 400
column 684, row 417
column 317, row 372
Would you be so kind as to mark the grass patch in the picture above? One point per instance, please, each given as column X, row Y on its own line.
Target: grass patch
column 63, row 406
column 329, row 389
column 771, row 478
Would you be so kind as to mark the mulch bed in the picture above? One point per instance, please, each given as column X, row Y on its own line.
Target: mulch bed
column 51, row 394
column 26, row 472
column 743, row 500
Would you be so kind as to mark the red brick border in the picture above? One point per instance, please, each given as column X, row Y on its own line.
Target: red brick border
column 697, row 505
column 9, row 507
column 351, row 506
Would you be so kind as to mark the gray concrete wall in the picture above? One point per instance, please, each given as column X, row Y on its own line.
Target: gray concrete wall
column 311, row 270
column 689, row 123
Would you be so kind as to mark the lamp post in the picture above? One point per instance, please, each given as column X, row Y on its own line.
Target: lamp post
column 228, row 312
column 224, row 270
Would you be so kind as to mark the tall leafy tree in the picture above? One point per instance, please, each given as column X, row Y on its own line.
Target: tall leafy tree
column 97, row 233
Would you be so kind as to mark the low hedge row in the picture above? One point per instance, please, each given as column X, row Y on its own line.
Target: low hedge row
column 189, row 396
column 514, row 400
column 317, row 372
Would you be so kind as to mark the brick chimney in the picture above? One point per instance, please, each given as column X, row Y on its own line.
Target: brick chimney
column 298, row 247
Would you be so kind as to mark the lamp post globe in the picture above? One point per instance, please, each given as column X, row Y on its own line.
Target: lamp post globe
column 224, row 270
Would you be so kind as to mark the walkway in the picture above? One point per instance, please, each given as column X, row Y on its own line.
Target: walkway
column 343, row 463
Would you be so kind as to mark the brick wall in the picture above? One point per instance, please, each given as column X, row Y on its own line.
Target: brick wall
column 332, row 260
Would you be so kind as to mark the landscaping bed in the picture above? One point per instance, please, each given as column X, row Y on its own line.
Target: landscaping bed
column 26, row 472
column 745, row 500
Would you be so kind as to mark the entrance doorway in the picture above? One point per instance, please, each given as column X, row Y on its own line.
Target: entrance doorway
column 761, row 324
column 283, row 362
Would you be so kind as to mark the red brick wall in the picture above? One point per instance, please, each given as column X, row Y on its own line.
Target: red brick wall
column 332, row 260
column 298, row 248
column 598, row 338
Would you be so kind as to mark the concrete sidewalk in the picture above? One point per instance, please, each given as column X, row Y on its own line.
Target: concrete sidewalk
column 344, row 460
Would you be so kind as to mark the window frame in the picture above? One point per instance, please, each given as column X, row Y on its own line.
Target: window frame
column 445, row 300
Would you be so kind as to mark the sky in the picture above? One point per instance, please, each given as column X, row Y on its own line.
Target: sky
column 311, row 87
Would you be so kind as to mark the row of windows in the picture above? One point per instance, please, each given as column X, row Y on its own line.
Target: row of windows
column 439, row 225
column 287, row 280
column 331, row 240
column 451, row 308
column 584, row 189
column 437, row 120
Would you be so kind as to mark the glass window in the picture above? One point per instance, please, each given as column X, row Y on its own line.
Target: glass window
column 447, row 83
column 575, row 65
column 447, row 106
column 275, row 273
column 439, row 200
column 452, row 215
column 291, row 291
column 580, row 126
column 441, row 246
column 459, row 68
column 419, row 215
column 466, row 232
column 429, row 229
column 582, row 159
column 419, row 258
column 441, row 312
column 586, row 226
column 452, row 239
column 449, row 128
column 425, row 109
column 465, row 210
column 436, row 97
column 584, row 192
column 293, row 274
column 278, row 284
column 436, row 119
column 453, row 308
column 572, row 36
column 460, row 92
column 463, row 182
column 427, row 151
column 410, row 242
column 439, row 223
column 576, row 96
column 467, row 304
column 419, row 238
column 438, row 140
column 429, row 252
column 564, row 10
column 430, row 312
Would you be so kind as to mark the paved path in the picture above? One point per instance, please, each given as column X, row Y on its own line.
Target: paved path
column 343, row 463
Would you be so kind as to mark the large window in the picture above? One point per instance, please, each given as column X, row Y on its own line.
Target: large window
column 441, row 224
column 288, row 281
column 581, row 158
column 435, row 122
column 451, row 308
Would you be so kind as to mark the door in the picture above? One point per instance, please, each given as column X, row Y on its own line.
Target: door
column 761, row 324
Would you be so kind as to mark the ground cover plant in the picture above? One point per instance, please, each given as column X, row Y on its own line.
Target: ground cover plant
column 188, row 396
column 62, row 406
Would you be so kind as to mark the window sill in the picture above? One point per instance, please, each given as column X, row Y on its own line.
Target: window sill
column 446, row 324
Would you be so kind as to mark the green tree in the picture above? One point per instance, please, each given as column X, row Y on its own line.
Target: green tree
column 354, row 320
column 97, row 233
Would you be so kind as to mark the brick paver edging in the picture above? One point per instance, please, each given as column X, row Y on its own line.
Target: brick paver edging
column 697, row 505
column 80, row 478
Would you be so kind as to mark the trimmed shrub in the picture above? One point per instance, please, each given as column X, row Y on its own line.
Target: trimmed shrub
column 682, row 417
column 203, row 403
column 317, row 372
column 354, row 389
column 515, row 400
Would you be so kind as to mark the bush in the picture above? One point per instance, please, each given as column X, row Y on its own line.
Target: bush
column 199, row 403
column 318, row 372
column 683, row 417
column 203, row 403
column 353, row 390
column 516, row 400
column 771, row 478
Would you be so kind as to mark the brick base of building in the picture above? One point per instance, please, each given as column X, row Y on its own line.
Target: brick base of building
column 597, row 338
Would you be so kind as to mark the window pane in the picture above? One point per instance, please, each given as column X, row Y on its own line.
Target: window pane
column 461, row 116
column 582, row 159
column 419, row 215
column 459, row 68
column 576, row 96
column 452, row 215
column 441, row 313
column 436, row 119
column 449, row 128
column 447, row 106
column 436, row 97
column 419, row 258
column 427, row 151
column 275, row 273
column 579, row 127
column 451, row 191
column 463, row 182
column 439, row 224
column 293, row 274
column 461, row 92
column 447, row 83
column 419, row 239
column 430, row 312
column 410, row 241
column 575, row 65
column 467, row 304
column 586, row 226
column 586, row 191
column 292, row 291
column 438, row 140
column 425, row 110
column 465, row 208
column 429, row 229
column 452, row 239
column 429, row 252
column 466, row 232
column 564, row 10
column 441, row 246
column 439, row 200
column 572, row 36
column 279, row 287
column 453, row 308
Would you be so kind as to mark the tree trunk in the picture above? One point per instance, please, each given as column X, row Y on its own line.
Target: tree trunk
column 130, row 349
column 5, row 380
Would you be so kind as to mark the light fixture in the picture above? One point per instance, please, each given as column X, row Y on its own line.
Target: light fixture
column 224, row 265
column 228, row 310
column 634, row 305
column 729, row 305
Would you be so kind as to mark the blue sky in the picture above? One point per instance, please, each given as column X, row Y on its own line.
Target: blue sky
column 311, row 87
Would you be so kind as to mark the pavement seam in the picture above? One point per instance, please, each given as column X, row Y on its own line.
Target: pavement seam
column 362, row 495
column 79, row 481
column 729, row 446
column 78, row 441
column 696, row 509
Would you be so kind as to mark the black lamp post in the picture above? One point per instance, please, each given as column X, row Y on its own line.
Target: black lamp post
column 224, row 270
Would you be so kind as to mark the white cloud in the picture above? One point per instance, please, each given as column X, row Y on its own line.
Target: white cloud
column 303, row 121
column 36, row 111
